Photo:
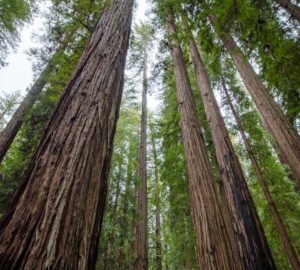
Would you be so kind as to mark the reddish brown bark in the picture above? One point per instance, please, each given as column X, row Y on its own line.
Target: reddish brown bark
column 214, row 246
column 285, row 136
column 291, row 8
column 278, row 221
column 55, row 218
column 141, row 261
column 253, row 246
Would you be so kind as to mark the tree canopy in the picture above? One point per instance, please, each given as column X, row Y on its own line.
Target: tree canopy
column 221, row 131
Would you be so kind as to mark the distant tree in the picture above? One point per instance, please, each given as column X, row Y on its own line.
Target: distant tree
column 253, row 246
column 8, row 103
column 141, row 43
column 214, row 243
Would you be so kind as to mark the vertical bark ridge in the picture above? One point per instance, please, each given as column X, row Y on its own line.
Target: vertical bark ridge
column 55, row 218
column 253, row 246
column 214, row 247
column 276, row 216
column 285, row 136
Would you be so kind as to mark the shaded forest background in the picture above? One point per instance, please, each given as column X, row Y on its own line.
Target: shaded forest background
column 266, row 32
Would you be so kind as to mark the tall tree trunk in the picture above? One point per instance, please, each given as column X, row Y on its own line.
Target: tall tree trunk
column 214, row 246
column 286, row 138
column 110, row 262
column 278, row 221
column 55, row 218
column 12, row 128
column 133, row 228
column 128, row 190
column 291, row 8
column 253, row 246
column 141, row 261
column 158, row 246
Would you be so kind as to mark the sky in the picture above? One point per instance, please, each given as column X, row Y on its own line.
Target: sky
column 18, row 74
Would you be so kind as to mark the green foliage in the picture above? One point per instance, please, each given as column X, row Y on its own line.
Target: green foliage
column 117, row 237
column 286, row 199
column 179, row 238
column 269, row 39
column 13, row 15
column 8, row 103
column 62, row 52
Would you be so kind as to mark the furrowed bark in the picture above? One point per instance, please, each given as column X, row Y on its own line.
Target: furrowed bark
column 141, row 261
column 278, row 221
column 252, row 243
column 214, row 247
column 55, row 218
column 285, row 136
column 291, row 8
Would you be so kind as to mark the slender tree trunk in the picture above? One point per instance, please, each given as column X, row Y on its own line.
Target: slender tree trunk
column 111, row 263
column 278, row 221
column 12, row 128
column 158, row 257
column 215, row 250
column 253, row 246
column 125, row 224
column 55, row 218
column 291, row 8
column 118, row 190
column 141, row 261
column 4, row 112
column 134, row 224
column 286, row 138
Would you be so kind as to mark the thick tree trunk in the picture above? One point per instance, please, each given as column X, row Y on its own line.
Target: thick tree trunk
column 286, row 138
column 214, row 247
column 291, row 8
column 55, row 218
column 278, row 221
column 141, row 261
column 158, row 246
column 253, row 246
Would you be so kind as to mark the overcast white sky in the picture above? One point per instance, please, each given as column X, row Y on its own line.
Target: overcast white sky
column 18, row 75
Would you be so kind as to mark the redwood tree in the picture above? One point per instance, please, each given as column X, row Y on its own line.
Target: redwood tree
column 141, row 261
column 290, row 251
column 55, row 218
column 286, row 139
column 253, row 246
column 215, row 245
column 158, row 244
column 12, row 128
